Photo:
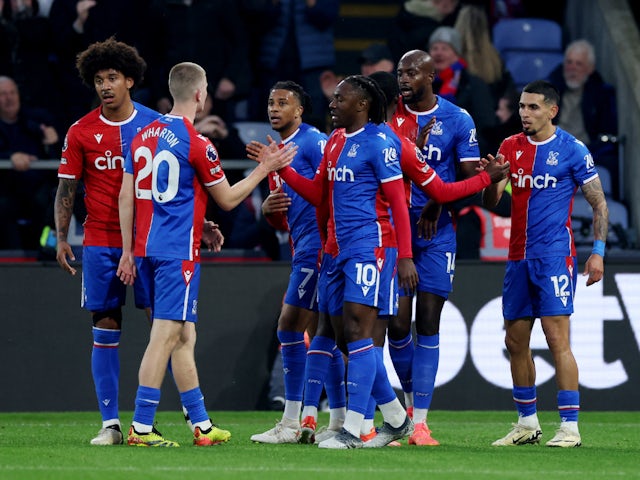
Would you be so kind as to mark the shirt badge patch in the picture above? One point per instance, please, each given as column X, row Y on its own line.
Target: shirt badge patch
column 212, row 155
column 552, row 159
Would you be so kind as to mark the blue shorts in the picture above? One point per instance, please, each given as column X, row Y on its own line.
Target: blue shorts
column 303, row 281
column 173, row 285
column 435, row 259
column 364, row 276
column 539, row 287
column 436, row 270
column 102, row 290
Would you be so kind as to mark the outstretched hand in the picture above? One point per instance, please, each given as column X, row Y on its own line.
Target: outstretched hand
column 273, row 158
column 254, row 149
column 277, row 202
column 496, row 167
column 423, row 136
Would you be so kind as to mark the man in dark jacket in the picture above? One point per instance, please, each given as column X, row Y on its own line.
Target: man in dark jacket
column 27, row 136
column 297, row 46
column 587, row 104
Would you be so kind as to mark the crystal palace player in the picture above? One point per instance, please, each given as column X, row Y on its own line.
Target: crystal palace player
column 452, row 145
column 357, row 268
column 93, row 152
column 547, row 166
column 286, row 210
column 169, row 170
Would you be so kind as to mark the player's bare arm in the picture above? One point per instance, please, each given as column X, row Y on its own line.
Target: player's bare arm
column 127, row 266
column 271, row 159
column 492, row 194
column 63, row 210
column 593, row 193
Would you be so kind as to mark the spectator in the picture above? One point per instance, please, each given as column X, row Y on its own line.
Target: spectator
column 507, row 120
column 455, row 83
column 587, row 104
column 30, row 53
column 210, row 33
column 416, row 21
column 26, row 136
column 298, row 47
column 482, row 59
column 80, row 23
column 375, row 58
column 224, row 137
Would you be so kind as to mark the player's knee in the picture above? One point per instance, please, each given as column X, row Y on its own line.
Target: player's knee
column 515, row 346
column 110, row 319
column 398, row 329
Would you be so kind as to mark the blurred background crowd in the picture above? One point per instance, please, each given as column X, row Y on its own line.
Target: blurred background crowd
column 484, row 52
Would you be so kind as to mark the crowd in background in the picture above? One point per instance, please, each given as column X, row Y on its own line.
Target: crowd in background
column 246, row 46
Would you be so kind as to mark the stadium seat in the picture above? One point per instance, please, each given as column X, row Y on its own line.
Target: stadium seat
column 522, row 34
column 528, row 66
column 255, row 131
column 605, row 179
column 582, row 220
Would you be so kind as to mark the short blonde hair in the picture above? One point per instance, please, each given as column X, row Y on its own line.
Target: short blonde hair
column 184, row 79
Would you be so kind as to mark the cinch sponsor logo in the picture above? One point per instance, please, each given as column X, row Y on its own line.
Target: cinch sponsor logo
column 432, row 153
column 529, row 181
column 109, row 162
column 341, row 174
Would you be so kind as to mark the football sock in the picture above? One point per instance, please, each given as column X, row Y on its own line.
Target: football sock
column 568, row 406
column 105, row 366
column 393, row 413
column 425, row 366
column 367, row 422
column 381, row 389
column 362, row 362
column 352, row 422
column 147, row 400
column 408, row 399
column 292, row 411
column 401, row 353
column 525, row 401
column 310, row 411
column 193, row 401
column 319, row 358
column 334, row 383
column 336, row 418
column 294, row 356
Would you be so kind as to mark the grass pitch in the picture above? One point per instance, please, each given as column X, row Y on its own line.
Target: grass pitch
column 47, row 446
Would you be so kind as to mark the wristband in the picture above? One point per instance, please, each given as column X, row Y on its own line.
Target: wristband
column 598, row 248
